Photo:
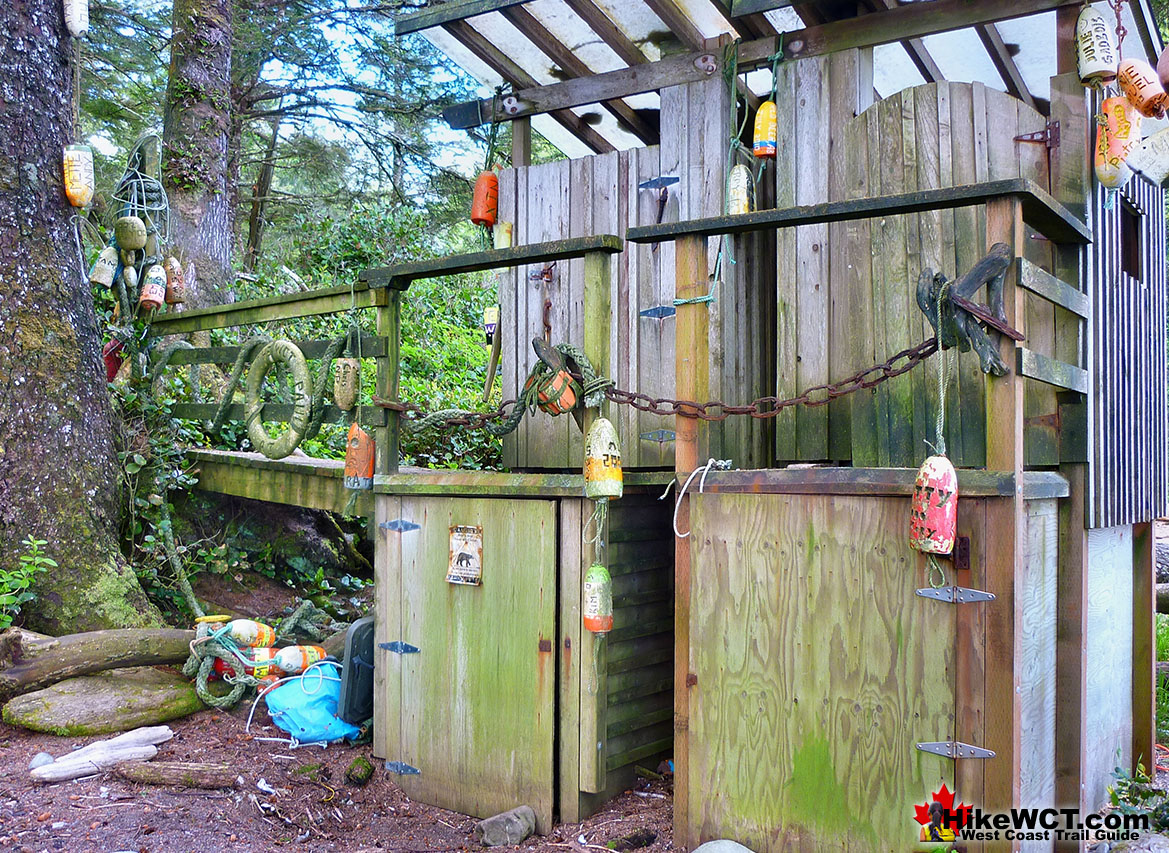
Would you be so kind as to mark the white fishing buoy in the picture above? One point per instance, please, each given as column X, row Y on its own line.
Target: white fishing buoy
column 1096, row 54
column 77, row 17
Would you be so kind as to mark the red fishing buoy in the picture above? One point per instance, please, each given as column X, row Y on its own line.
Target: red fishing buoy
column 111, row 354
column 933, row 522
column 485, row 202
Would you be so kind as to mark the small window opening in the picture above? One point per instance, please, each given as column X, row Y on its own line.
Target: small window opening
column 1131, row 228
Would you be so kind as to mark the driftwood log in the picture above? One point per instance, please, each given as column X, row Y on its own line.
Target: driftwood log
column 184, row 774
column 31, row 662
column 132, row 746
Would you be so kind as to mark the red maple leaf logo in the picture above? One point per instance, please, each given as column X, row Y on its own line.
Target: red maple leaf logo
column 945, row 798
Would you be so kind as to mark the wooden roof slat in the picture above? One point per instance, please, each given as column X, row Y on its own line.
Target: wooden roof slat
column 573, row 66
column 445, row 13
column 919, row 54
column 897, row 24
column 1004, row 63
column 607, row 31
column 506, row 68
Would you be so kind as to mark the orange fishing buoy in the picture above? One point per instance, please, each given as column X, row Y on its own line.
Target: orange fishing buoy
column 1141, row 85
column 153, row 288
column 176, row 285
column 79, row 185
column 359, row 459
column 765, row 136
column 485, row 202
column 1118, row 130
column 555, row 394
column 254, row 662
column 294, row 660
column 597, row 604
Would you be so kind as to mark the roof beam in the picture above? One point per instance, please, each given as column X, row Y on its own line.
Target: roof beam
column 919, row 55
column 1004, row 63
column 897, row 24
column 608, row 32
column 445, row 13
column 502, row 65
column 572, row 66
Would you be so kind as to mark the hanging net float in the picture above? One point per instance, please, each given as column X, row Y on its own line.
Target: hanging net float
column 602, row 467
column 105, row 268
column 153, row 293
column 359, row 459
column 77, row 17
column 346, row 382
column 1118, row 131
column 176, row 282
column 556, row 393
column 243, row 632
column 1141, row 85
column 130, row 233
column 597, row 601
column 933, row 519
column 1150, row 157
column 485, row 201
column 1096, row 53
column 764, row 144
column 79, row 182
column 740, row 191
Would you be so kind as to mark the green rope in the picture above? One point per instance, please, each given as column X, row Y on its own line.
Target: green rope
column 318, row 400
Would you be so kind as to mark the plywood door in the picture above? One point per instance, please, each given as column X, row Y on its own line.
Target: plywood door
column 477, row 712
column 814, row 671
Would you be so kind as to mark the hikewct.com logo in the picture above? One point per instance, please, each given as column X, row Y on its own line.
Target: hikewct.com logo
column 941, row 822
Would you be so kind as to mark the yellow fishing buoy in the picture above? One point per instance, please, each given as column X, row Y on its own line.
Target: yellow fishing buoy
column 602, row 468
column 1118, row 130
column 740, row 191
column 130, row 232
column 104, row 268
column 765, row 135
column 346, row 382
column 78, row 161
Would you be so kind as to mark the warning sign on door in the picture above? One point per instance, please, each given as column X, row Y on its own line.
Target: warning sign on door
column 466, row 565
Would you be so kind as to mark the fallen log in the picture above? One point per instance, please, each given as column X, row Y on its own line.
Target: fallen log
column 112, row 701
column 42, row 663
column 183, row 774
column 96, row 762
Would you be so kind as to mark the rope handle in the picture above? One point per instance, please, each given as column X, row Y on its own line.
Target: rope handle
column 716, row 464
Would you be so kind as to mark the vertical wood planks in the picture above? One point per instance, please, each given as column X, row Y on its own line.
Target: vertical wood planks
column 387, row 675
column 1144, row 647
column 389, row 326
column 570, row 582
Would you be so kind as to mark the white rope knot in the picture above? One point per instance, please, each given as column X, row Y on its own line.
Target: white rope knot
column 711, row 464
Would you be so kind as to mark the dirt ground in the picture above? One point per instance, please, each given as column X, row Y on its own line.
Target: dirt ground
column 314, row 807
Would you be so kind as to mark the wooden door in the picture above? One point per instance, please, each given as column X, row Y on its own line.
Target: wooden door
column 476, row 701
column 814, row 670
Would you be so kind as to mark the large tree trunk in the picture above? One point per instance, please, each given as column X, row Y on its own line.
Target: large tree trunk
column 197, row 125
column 58, row 469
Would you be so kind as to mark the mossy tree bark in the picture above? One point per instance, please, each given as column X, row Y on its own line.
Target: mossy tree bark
column 196, row 134
column 59, row 474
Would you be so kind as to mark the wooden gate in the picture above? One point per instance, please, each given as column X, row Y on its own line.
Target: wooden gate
column 476, row 714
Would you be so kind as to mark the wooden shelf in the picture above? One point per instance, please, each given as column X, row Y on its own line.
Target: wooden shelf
column 1055, row 221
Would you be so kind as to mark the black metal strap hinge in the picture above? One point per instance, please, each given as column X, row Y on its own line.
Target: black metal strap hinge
column 1049, row 136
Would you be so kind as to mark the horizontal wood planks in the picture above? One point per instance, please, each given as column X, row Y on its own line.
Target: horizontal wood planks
column 815, row 670
column 317, row 485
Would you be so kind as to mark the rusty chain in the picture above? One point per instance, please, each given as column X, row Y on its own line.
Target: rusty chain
column 714, row 410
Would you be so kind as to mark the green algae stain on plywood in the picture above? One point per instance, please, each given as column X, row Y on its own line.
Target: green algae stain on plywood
column 816, row 798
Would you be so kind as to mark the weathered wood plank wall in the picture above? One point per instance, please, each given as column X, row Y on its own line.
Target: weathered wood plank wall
column 600, row 194
column 926, row 137
column 1129, row 468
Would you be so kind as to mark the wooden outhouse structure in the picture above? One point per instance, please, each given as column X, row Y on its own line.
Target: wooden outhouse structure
column 790, row 653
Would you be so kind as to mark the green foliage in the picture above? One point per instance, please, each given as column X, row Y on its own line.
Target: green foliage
column 1162, row 636
column 1135, row 794
column 16, row 584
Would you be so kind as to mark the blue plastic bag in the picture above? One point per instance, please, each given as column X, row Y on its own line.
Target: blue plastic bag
column 306, row 707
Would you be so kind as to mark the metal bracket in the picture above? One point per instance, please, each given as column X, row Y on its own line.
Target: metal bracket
column 401, row 768
column 400, row 524
column 659, row 435
column 955, row 749
column 399, row 648
column 1049, row 136
column 547, row 274
column 659, row 312
column 955, row 594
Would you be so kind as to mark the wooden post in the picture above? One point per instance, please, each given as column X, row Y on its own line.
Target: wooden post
column 521, row 142
column 389, row 326
column 593, row 649
column 1006, row 546
column 692, row 378
column 1144, row 648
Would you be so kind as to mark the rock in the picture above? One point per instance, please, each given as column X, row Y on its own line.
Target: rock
column 360, row 770
column 510, row 827
column 1148, row 843
column 722, row 846
column 113, row 701
column 1161, row 552
column 40, row 760
column 633, row 841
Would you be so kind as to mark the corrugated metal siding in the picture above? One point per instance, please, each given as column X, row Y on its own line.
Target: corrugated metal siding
column 1129, row 476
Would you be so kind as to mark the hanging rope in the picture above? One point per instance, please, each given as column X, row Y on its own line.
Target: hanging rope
column 718, row 465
